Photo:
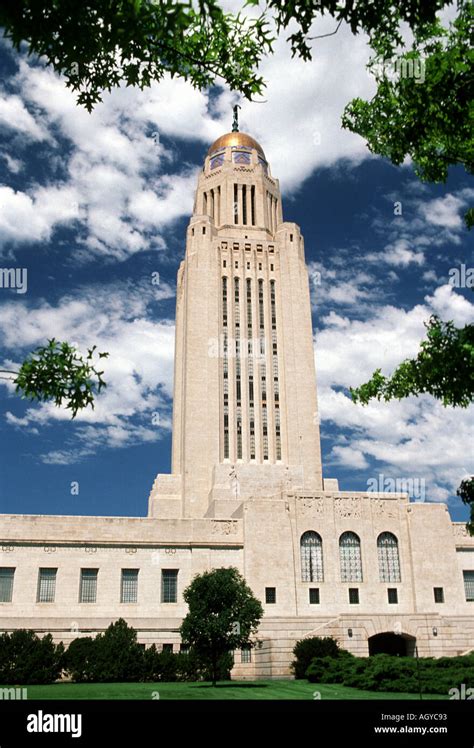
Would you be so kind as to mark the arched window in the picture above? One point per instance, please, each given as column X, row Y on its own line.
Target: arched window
column 350, row 557
column 389, row 559
column 311, row 547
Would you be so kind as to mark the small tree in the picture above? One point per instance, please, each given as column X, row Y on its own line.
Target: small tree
column 80, row 659
column 223, row 615
column 119, row 658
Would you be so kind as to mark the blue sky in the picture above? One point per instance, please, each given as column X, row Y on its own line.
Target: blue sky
column 93, row 205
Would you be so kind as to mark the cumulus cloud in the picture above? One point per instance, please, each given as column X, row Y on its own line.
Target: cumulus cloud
column 139, row 372
column 444, row 211
column 408, row 438
column 15, row 116
column 32, row 217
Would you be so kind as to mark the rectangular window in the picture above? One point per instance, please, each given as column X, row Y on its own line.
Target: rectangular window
column 314, row 595
column 246, row 654
column 270, row 595
column 46, row 585
column 392, row 595
column 169, row 585
column 167, row 648
column 88, row 590
column 129, row 587
column 6, row 584
column 354, row 595
column 438, row 594
column 184, row 649
column 469, row 585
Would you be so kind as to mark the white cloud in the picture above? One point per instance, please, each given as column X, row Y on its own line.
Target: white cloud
column 14, row 165
column 15, row 116
column 401, row 255
column 25, row 217
column 349, row 457
column 444, row 211
column 139, row 371
column 408, row 438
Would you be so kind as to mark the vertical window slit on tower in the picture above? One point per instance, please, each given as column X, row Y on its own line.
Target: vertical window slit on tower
column 238, row 372
column 252, row 204
column 225, row 368
column 263, row 373
column 236, row 204
column 250, row 370
column 244, row 204
column 276, row 386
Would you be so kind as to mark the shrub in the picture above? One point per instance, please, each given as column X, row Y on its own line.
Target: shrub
column 330, row 669
column 119, row 658
column 80, row 659
column 27, row 659
column 390, row 673
column 305, row 650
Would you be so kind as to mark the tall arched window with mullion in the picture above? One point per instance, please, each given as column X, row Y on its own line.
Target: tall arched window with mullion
column 311, row 548
column 389, row 558
column 350, row 557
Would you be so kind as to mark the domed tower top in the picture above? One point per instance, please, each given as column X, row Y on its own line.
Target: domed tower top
column 235, row 139
column 236, row 187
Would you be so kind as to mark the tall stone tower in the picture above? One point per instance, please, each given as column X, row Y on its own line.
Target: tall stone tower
column 245, row 418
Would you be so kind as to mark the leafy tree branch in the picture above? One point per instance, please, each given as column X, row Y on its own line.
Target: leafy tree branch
column 443, row 368
column 60, row 373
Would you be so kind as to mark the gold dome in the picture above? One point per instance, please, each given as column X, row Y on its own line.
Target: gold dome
column 235, row 138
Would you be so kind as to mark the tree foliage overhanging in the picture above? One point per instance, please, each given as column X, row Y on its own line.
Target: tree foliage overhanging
column 98, row 45
column 58, row 372
column 443, row 368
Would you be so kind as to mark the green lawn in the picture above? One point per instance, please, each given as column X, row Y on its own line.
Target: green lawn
column 270, row 689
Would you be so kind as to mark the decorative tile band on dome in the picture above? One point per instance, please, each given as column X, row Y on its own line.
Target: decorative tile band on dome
column 217, row 161
column 239, row 157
